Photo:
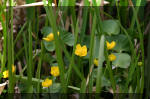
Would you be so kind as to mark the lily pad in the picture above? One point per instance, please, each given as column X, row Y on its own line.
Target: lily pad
column 122, row 60
column 111, row 27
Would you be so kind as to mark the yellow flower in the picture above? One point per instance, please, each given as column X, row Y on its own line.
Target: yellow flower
column 112, row 57
column 140, row 63
column 96, row 62
column 58, row 33
column 5, row 74
column 81, row 51
column 13, row 68
column 49, row 37
column 110, row 45
column 47, row 82
column 55, row 71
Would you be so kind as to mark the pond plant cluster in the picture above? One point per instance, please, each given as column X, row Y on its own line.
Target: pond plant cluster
column 74, row 47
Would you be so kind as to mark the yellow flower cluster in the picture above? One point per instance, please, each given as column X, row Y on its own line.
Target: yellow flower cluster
column 6, row 72
column 81, row 50
column 50, row 37
column 110, row 46
column 47, row 82
column 55, row 71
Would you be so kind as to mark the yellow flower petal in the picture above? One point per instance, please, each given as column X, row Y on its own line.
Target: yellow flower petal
column 78, row 49
column 46, row 39
column 110, row 45
column 13, row 68
column 84, row 51
column 54, row 71
column 78, row 46
column 112, row 57
column 49, row 37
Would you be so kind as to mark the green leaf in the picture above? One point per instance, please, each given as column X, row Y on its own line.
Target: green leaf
column 55, row 88
column 83, row 86
column 111, row 27
column 122, row 43
column 122, row 60
column 86, row 41
column 46, row 30
column 1, row 75
column 105, row 81
column 50, row 46
column 68, row 38
column 48, row 58
column 96, row 50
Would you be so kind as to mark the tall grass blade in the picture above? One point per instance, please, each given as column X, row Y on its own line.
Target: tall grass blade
column 100, row 63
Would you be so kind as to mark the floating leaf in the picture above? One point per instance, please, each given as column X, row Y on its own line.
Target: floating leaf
column 111, row 27
column 122, row 60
